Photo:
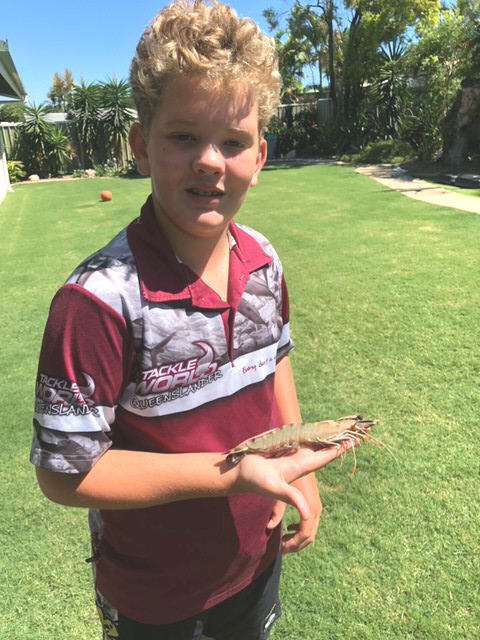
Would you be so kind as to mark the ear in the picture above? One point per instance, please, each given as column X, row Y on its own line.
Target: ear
column 261, row 158
column 138, row 144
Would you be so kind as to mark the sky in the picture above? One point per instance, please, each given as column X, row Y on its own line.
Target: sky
column 95, row 39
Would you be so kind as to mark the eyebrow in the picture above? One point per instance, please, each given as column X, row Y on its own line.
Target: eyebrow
column 193, row 123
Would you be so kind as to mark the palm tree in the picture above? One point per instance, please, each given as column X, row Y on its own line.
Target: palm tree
column 59, row 151
column 40, row 145
column 85, row 111
column 33, row 139
column 388, row 89
column 309, row 30
column 117, row 116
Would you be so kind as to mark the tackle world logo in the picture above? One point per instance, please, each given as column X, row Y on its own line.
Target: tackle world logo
column 176, row 380
column 55, row 396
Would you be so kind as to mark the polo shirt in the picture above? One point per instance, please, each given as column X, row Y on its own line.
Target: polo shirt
column 139, row 353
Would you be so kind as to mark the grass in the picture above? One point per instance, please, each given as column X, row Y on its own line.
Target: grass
column 385, row 303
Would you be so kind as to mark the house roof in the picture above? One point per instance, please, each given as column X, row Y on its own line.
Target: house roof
column 10, row 84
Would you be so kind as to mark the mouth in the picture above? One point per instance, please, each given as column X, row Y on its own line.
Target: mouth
column 205, row 193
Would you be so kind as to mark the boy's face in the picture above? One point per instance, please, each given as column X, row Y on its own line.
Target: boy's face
column 203, row 151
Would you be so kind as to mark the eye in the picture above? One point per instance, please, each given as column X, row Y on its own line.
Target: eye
column 236, row 144
column 181, row 137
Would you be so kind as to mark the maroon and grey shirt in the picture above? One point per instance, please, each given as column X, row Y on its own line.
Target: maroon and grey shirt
column 140, row 354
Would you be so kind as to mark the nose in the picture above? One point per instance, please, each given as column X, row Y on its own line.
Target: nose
column 209, row 160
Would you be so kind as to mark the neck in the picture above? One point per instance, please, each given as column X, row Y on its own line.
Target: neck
column 207, row 256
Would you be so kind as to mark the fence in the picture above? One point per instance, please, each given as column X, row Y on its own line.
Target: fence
column 8, row 132
column 323, row 106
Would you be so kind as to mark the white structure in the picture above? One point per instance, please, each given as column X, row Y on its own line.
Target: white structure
column 10, row 87
column 4, row 180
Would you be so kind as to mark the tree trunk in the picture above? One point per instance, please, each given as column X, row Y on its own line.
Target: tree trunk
column 331, row 57
column 352, row 90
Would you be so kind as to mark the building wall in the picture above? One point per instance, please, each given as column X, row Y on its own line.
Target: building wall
column 4, row 181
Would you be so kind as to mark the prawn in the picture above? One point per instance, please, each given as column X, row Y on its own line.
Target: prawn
column 314, row 435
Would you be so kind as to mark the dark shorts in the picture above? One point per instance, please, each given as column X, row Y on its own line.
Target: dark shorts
column 248, row 615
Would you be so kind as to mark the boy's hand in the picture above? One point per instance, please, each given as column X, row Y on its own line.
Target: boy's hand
column 276, row 478
column 302, row 533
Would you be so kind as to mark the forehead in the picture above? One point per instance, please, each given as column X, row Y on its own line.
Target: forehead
column 195, row 99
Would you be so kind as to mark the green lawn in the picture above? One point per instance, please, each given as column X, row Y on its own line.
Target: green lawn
column 385, row 303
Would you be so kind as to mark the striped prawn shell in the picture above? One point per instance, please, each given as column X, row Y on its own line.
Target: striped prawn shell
column 315, row 435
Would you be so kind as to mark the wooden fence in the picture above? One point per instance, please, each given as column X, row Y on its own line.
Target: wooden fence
column 323, row 106
column 8, row 132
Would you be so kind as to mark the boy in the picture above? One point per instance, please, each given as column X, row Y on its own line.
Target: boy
column 169, row 346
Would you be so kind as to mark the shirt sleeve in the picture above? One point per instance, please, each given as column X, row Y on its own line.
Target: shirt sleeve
column 85, row 362
column 285, row 344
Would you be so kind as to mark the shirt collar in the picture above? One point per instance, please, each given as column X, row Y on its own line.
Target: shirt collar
column 163, row 278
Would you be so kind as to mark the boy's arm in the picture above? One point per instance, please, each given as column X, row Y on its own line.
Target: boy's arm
column 135, row 479
column 303, row 533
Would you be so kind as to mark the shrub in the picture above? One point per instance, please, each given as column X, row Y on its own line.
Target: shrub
column 40, row 145
column 306, row 135
column 382, row 151
column 130, row 169
column 109, row 169
column 16, row 170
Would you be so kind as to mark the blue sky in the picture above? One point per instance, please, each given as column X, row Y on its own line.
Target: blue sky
column 95, row 39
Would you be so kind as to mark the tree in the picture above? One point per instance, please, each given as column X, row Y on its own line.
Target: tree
column 59, row 151
column 40, row 145
column 60, row 93
column 373, row 23
column 13, row 112
column 309, row 31
column 310, row 39
column 85, row 112
column 445, row 54
column 116, row 115
column 33, row 140
column 291, row 58
column 389, row 88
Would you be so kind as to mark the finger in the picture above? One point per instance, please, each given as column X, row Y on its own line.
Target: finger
column 296, row 498
column 312, row 461
column 277, row 514
column 297, row 541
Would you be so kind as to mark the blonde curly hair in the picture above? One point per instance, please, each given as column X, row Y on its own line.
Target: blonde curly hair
column 210, row 41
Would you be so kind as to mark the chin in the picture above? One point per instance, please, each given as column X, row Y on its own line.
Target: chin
column 212, row 220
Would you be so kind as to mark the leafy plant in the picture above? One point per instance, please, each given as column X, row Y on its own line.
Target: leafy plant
column 32, row 144
column 382, row 151
column 116, row 116
column 16, row 170
column 60, row 151
column 13, row 112
column 85, row 111
column 108, row 169
column 40, row 145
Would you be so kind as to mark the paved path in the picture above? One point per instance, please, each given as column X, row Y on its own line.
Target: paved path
column 420, row 189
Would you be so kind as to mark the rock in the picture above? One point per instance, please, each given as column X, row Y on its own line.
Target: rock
column 90, row 173
column 33, row 178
